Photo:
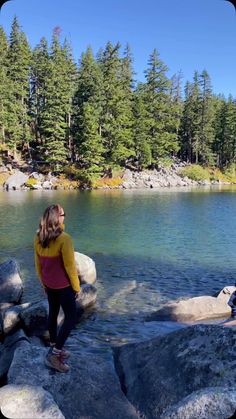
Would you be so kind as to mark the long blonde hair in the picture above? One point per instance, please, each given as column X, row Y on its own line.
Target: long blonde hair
column 49, row 226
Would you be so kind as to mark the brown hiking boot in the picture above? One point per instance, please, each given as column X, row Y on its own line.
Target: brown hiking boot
column 56, row 361
column 65, row 354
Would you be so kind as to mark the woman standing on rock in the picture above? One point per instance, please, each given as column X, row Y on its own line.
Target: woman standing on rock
column 55, row 265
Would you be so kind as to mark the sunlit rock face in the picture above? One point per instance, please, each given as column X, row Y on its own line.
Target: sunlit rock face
column 86, row 268
column 11, row 286
column 160, row 372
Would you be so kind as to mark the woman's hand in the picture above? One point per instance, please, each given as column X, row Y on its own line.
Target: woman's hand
column 77, row 294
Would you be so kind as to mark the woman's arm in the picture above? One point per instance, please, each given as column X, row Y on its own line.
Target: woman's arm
column 38, row 264
column 68, row 256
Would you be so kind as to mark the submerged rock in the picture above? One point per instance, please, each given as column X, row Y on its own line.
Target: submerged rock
column 11, row 287
column 195, row 309
column 87, row 296
column 160, row 372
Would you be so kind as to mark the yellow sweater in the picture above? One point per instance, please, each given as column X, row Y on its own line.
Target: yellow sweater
column 55, row 264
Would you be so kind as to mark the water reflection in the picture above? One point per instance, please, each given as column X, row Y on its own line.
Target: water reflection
column 149, row 247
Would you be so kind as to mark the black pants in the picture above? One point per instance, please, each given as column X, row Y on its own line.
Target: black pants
column 64, row 298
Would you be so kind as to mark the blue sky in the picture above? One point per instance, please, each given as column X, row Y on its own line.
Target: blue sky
column 189, row 34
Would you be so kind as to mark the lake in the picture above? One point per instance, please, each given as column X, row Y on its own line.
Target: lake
column 149, row 246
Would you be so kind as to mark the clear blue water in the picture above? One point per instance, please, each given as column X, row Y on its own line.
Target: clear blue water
column 149, row 247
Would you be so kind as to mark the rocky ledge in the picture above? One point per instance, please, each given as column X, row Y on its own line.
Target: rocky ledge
column 164, row 177
column 185, row 374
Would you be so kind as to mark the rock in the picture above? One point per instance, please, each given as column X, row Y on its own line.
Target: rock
column 5, row 306
column 163, row 177
column 195, row 309
column 11, row 318
column 11, row 287
column 34, row 318
column 47, row 185
column 86, row 268
column 37, row 176
column 210, row 403
column 8, row 348
column 16, row 181
column 27, row 401
column 90, row 389
column 37, row 186
column 87, row 296
column 3, row 169
column 160, row 372
column 9, row 167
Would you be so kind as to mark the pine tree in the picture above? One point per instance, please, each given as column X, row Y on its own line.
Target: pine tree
column 218, row 145
column 226, row 133
column 88, row 91
column 163, row 123
column 19, row 60
column 190, row 125
column 176, row 98
column 206, row 134
column 91, row 148
column 39, row 74
column 116, row 117
column 58, row 91
column 4, row 86
column 140, row 128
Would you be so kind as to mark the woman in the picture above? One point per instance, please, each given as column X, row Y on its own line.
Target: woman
column 55, row 265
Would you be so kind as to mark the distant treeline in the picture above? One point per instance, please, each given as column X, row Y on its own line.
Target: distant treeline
column 98, row 117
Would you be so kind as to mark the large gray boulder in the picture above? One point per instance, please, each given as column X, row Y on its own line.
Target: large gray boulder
column 90, row 389
column 8, row 348
column 11, row 287
column 28, row 402
column 11, row 318
column 195, row 309
column 210, row 403
column 160, row 372
column 16, row 181
column 86, row 268
column 34, row 318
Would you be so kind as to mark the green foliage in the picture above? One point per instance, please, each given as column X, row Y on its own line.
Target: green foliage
column 90, row 120
column 195, row 172
column 18, row 72
column 31, row 182
column 165, row 162
column 161, row 121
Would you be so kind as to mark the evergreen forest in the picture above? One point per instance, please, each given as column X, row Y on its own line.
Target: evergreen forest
column 96, row 116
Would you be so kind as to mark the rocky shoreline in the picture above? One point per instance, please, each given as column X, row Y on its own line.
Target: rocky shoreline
column 185, row 374
column 164, row 177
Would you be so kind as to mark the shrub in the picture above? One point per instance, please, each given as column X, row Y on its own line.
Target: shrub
column 31, row 182
column 195, row 172
column 3, row 177
column 229, row 173
column 107, row 182
column 64, row 183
